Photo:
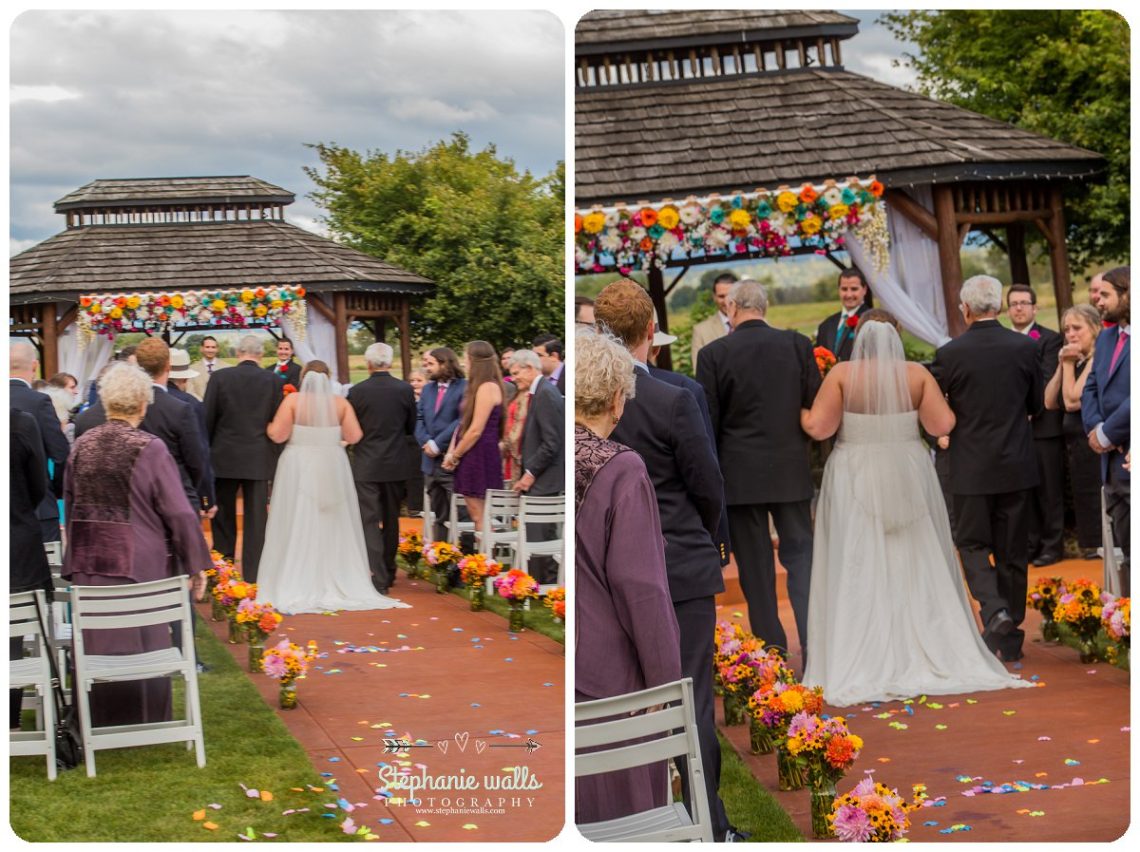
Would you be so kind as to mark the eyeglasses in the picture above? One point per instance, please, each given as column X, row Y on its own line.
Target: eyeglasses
column 1021, row 304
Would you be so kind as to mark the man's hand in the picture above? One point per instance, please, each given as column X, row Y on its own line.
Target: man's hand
column 525, row 482
column 429, row 451
column 1096, row 445
column 944, row 442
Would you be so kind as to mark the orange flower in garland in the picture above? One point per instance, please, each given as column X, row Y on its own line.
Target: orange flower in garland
column 808, row 195
column 646, row 244
column 577, row 223
column 648, row 217
column 876, row 188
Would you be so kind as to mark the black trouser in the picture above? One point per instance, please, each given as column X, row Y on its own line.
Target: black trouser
column 1084, row 474
column 439, row 487
column 1047, row 519
column 696, row 620
column 995, row 524
column 752, row 546
column 414, row 493
column 380, row 506
column 1117, row 501
column 255, row 497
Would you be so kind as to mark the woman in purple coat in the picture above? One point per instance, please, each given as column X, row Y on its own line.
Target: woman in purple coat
column 128, row 521
column 626, row 636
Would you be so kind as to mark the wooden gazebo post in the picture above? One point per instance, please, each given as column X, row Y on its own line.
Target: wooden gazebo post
column 949, row 256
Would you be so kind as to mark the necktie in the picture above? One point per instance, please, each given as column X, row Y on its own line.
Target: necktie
column 439, row 392
column 1116, row 352
column 209, row 369
column 839, row 331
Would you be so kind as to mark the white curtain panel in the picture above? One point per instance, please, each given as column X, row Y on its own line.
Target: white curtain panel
column 84, row 363
column 319, row 341
column 911, row 287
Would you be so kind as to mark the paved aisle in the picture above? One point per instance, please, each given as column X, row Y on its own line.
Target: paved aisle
column 1069, row 734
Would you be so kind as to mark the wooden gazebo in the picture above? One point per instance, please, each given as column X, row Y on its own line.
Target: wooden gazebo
column 174, row 235
column 673, row 104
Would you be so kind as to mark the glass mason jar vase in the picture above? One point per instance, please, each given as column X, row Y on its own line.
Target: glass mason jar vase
column 287, row 697
column 791, row 774
column 477, row 592
column 217, row 611
column 1049, row 631
column 1087, row 650
column 442, row 580
column 237, row 633
column 822, row 802
column 760, row 738
column 516, row 617
column 256, row 649
column 733, row 709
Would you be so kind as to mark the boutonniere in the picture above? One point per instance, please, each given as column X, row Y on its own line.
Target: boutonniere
column 1035, row 334
column 283, row 369
column 852, row 321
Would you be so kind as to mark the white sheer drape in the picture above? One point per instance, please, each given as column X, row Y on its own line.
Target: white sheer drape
column 84, row 363
column 911, row 288
column 319, row 341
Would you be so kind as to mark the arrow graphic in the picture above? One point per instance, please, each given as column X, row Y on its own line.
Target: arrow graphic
column 530, row 745
column 393, row 746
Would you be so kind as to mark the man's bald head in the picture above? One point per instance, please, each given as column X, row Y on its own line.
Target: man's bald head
column 22, row 359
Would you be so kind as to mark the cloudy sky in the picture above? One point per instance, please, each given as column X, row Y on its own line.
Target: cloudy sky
column 96, row 94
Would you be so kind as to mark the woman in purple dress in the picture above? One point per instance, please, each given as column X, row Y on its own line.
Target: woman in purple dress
column 626, row 636
column 128, row 521
column 474, row 453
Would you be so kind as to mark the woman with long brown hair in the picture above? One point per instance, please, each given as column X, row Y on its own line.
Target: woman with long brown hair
column 474, row 454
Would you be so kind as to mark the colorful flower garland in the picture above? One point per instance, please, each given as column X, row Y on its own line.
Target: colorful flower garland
column 113, row 313
column 760, row 222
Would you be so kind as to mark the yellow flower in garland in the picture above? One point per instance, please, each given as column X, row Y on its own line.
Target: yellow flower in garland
column 133, row 302
column 116, row 312
column 276, row 304
column 838, row 211
column 247, row 296
column 787, row 201
column 95, row 308
column 811, row 225
column 594, row 222
column 177, row 302
column 218, row 306
column 739, row 219
column 260, row 311
column 668, row 218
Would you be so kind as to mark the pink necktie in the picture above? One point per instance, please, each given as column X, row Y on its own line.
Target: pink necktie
column 1116, row 352
column 439, row 392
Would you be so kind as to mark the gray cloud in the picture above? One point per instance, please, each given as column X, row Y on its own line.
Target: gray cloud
column 142, row 94
column 874, row 50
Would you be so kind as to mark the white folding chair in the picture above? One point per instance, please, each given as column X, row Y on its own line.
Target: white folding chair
column 602, row 743
column 500, row 514
column 455, row 526
column 135, row 605
column 33, row 671
column 429, row 518
column 540, row 510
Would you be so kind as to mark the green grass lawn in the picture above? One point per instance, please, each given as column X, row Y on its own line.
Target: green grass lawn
column 749, row 806
column 151, row 793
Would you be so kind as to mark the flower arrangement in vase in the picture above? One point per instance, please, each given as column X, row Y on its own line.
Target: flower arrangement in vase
column 776, row 709
column 442, row 557
column 259, row 620
column 474, row 571
column 871, row 813
column 732, row 660
column 410, row 550
column 1043, row 596
column 769, row 668
column 1116, row 619
column 287, row 662
column 220, row 572
column 1080, row 608
column 826, row 749
column 555, row 601
column 229, row 595
column 517, row 587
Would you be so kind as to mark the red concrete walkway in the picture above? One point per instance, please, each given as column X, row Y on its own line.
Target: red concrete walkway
column 441, row 674
column 1071, row 734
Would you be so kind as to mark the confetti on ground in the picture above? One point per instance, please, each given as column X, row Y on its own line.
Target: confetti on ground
column 940, row 727
column 884, row 760
column 1044, row 739
column 210, row 826
column 198, row 816
column 957, row 827
column 1070, row 762
column 931, row 822
column 423, row 823
column 1008, row 712
column 971, row 701
column 900, row 726
column 1093, row 742
column 934, row 705
column 470, row 826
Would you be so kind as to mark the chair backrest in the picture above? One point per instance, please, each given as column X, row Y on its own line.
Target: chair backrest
column 607, row 726
column 130, row 605
column 500, row 508
column 540, row 510
column 54, row 551
column 23, row 620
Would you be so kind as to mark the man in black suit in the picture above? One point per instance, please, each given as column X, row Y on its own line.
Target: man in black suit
column 23, row 363
column 663, row 425
column 287, row 371
column 386, row 409
column 240, row 403
column 543, row 449
column 757, row 379
column 551, row 354
column 992, row 379
column 177, row 384
column 680, row 380
column 837, row 332
column 169, row 419
column 1047, row 503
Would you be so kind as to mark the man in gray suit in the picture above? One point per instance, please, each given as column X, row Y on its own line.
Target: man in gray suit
column 543, row 451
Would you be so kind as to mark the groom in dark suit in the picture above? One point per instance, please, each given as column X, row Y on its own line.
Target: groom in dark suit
column 386, row 409
column 1106, row 408
column 837, row 332
column 663, row 425
column 757, row 379
column 437, row 417
column 992, row 380
column 240, row 403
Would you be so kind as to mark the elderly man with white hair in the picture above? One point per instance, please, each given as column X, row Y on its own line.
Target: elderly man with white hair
column 386, row 409
column 992, row 381
column 23, row 362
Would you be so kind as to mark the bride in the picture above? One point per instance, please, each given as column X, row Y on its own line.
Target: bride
column 888, row 614
column 314, row 558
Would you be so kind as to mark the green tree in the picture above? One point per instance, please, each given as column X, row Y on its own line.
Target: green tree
column 1061, row 73
column 491, row 238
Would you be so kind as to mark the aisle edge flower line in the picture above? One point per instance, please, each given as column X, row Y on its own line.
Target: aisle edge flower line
column 818, row 216
column 113, row 313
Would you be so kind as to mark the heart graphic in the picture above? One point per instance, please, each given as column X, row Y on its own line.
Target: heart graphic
column 443, row 744
column 461, row 741
column 479, row 746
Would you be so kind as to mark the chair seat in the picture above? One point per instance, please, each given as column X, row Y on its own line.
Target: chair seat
column 645, row 826
column 25, row 672
column 133, row 666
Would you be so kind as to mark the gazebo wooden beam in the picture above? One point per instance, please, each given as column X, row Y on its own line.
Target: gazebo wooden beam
column 1018, row 261
column 657, row 295
column 949, row 256
column 405, row 341
column 67, row 319
column 321, row 308
column 50, row 337
column 914, row 212
column 1058, row 254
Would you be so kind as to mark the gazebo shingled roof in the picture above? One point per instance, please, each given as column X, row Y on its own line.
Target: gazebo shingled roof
column 198, row 233
column 670, row 104
column 651, row 141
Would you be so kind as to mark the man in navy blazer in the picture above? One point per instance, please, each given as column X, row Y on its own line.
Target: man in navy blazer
column 1106, row 406
column 437, row 417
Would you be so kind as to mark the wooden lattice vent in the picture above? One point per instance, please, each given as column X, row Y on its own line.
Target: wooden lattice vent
column 169, row 214
column 1000, row 201
column 374, row 304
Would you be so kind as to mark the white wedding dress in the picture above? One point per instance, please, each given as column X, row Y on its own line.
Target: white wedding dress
column 888, row 616
column 314, row 559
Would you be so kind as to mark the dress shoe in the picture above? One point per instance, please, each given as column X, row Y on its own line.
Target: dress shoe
column 1046, row 559
column 1000, row 624
column 1012, row 656
column 1089, row 555
column 735, row 835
